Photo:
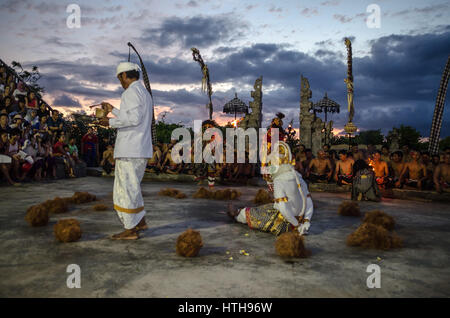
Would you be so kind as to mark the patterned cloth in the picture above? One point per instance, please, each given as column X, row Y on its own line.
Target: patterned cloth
column 265, row 218
column 127, row 196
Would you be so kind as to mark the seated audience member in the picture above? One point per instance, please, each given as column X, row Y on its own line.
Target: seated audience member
column 4, row 123
column 32, row 117
column 344, row 169
column 20, row 93
column 385, row 156
column 55, row 123
column 31, row 148
column 73, row 150
column 320, row 169
column 299, row 166
column 364, row 186
column 43, row 111
column 154, row 163
column 326, row 149
column 6, row 93
column 31, row 101
column 414, row 172
column 441, row 175
column 381, row 170
column 108, row 161
column 355, row 153
column 436, row 160
column 300, row 154
column 5, row 159
column 18, row 108
column 89, row 147
column 10, row 105
column 58, row 151
column 41, row 127
column 406, row 154
column 13, row 152
column 370, row 150
column 309, row 156
column 49, row 159
column 169, row 164
column 17, row 122
column 397, row 166
column 426, row 160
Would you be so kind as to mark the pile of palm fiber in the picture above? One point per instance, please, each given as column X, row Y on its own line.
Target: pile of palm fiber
column 263, row 197
column 373, row 236
column 291, row 244
column 226, row 194
column 174, row 193
column 100, row 207
column 82, row 197
column 37, row 215
column 380, row 218
column 189, row 243
column 67, row 230
column 349, row 208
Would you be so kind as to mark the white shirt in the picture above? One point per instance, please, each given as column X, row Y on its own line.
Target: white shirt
column 133, row 122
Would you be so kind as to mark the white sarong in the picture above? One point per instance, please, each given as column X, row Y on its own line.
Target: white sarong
column 5, row 159
column 127, row 196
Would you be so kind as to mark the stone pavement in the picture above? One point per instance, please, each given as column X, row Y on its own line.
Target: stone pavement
column 33, row 264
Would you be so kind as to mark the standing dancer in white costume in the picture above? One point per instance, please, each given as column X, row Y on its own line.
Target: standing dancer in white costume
column 132, row 150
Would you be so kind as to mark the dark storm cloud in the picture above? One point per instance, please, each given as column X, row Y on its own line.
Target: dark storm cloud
column 66, row 100
column 198, row 31
column 396, row 84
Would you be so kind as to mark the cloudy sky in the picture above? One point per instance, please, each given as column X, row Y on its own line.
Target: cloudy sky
column 397, row 67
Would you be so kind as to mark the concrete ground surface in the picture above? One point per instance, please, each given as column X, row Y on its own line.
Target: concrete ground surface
column 33, row 263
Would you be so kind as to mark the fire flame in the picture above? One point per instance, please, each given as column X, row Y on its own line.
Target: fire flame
column 371, row 163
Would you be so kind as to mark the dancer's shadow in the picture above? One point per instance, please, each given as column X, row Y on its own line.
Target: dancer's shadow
column 181, row 227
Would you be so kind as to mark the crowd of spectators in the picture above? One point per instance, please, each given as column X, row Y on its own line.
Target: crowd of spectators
column 32, row 135
column 405, row 168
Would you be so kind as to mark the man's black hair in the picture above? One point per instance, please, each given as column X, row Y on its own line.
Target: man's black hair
column 378, row 151
column 399, row 153
column 343, row 152
column 308, row 150
column 385, row 146
column 2, row 131
column 425, row 153
column 132, row 74
column 15, row 132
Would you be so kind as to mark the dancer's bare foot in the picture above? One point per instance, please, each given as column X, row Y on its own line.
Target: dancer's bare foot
column 142, row 225
column 232, row 211
column 130, row 234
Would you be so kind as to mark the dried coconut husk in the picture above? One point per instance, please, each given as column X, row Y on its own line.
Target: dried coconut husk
column 100, row 207
column 189, row 243
column 349, row 208
column 202, row 193
column 291, row 244
column 380, row 218
column 82, row 197
column 57, row 205
column 373, row 236
column 263, row 197
column 67, row 230
column 226, row 194
column 37, row 215
column 174, row 193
